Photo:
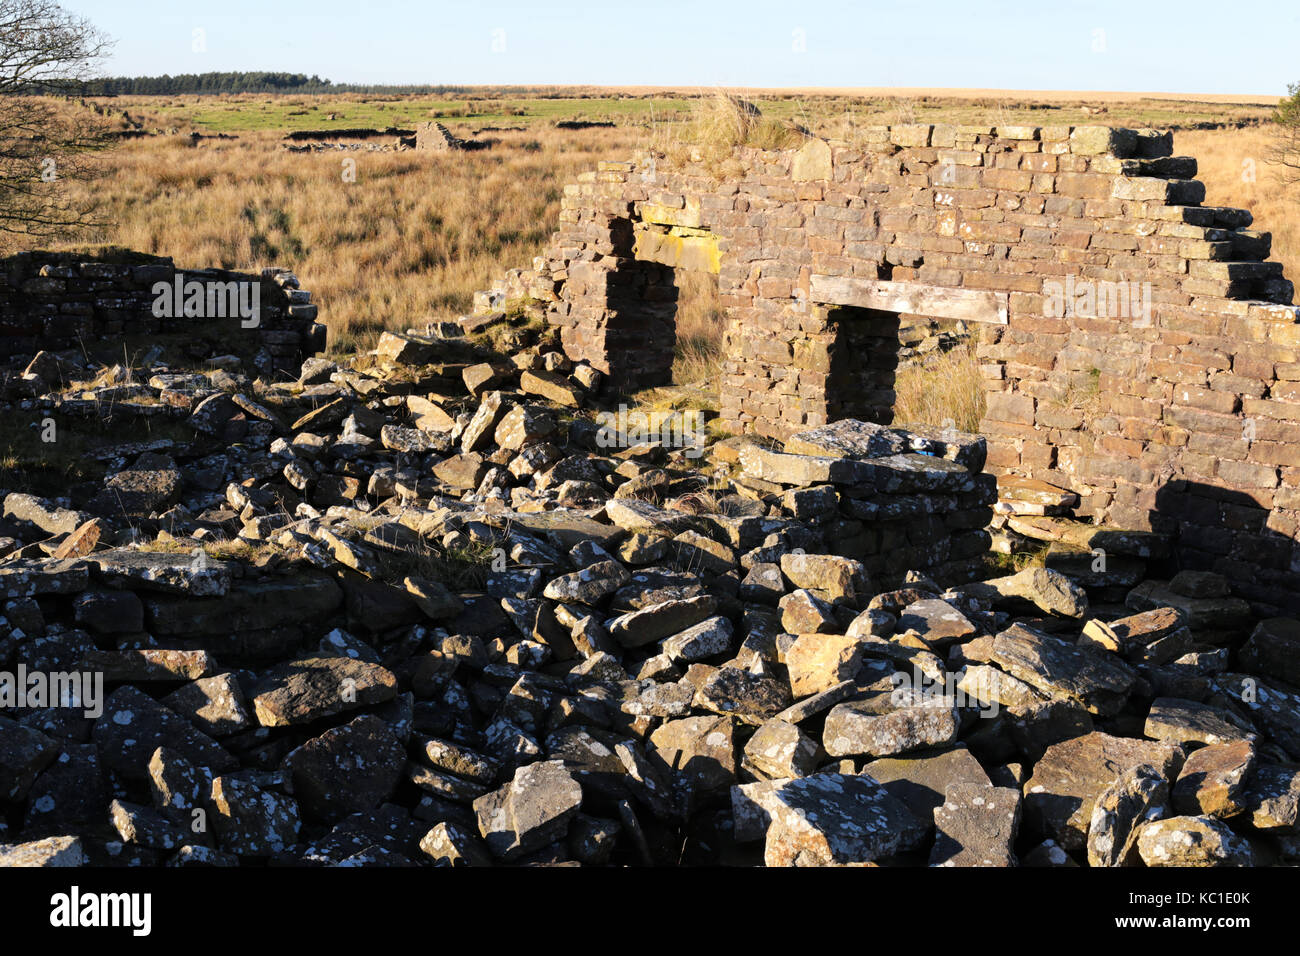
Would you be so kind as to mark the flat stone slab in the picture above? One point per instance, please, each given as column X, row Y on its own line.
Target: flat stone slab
column 831, row 819
column 847, row 438
column 134, row 725
column 784, row 469
column 976, row 826
column 195, row 575
column 530, row 812
column 921, row 781
column 31, row 578
column 1099, row 682
column 1066, row 782
column 301, row 691
column 1191, row 722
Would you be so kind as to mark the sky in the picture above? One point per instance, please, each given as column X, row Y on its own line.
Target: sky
column 1194, row 46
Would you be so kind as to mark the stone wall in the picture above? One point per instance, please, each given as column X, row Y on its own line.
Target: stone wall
column 1184, row 416
column 57, row 301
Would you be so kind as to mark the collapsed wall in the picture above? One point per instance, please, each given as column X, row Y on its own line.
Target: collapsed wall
column 1136, row 347
column 71, row 301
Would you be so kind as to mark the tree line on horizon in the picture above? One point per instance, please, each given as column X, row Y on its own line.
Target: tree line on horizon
column 256, row 81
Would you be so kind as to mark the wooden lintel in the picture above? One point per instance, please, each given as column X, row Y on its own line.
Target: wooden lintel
column 972, row 305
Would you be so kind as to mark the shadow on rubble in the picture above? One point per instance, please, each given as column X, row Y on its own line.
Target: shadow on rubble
column 1231, row 534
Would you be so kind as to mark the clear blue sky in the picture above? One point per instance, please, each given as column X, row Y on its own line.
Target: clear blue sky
column 1194, row 46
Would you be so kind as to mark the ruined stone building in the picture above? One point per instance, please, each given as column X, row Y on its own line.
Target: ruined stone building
column 1173, row 402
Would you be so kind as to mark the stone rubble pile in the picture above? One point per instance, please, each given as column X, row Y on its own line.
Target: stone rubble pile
column 424, row 610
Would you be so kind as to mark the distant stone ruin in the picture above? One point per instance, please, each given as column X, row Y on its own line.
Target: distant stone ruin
column 434, row 137
column 1137, row 347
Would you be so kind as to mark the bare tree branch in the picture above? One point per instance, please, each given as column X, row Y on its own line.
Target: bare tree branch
column 44, row 140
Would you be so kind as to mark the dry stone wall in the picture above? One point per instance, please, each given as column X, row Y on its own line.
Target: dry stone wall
column 1136, row 346
column 57, row 301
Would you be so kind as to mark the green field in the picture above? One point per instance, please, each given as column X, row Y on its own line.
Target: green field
column 250, row 113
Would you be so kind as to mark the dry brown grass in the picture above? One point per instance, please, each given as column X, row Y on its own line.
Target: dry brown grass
column 411, row 239
column 719, row 123
column 701, row 323
column 416, row 234
column 943, row 390
column 1233, row 166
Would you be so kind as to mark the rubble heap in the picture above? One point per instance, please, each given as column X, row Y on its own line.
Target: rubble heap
column 422, row 609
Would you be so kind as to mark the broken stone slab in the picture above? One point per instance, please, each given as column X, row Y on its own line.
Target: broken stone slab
column 175, row 783
column 833, row 819
column 852, row 731
column 1089, row 537
column 44, row 514
column 1083, row 567
column 134, row 725
column 449, row 844
column 215, row 705
column 1192, row 841
column 1034, row 491
column 660, row 620
column 976, row 825
column 935, row 622
column 194, row 575
column 1273, row 708
column 589, row 586
column 109, row 612
column 810, row 707
column 632, row 515
column 784, row 469
column 698, row 642
column 780, row 750
column 530, row 812
column 752, row 698
column 1272, row 797
column 818, row 662
column 1061, row 794
column 250, row 821
column 1099, row 682
column 909, row 474
column 301, row 691
column 1274, row 649
column 831, row 577
column 992, row 688
column 147, row 665
column 922, row 780
column 702, row 750
column 24, row 753
column 51, row 851
column 1137, row 796
column 349, row 769
column 1213, row 780
column 257, row 605
column 803, row 612
column 847, row 438
column 1156, row 636
column 551, row 385
column 1050, row 591
column 461, row 761
column 444, row 785
column 1191, row 722
column 146, row 827
column 398, row 349
column 1200, row 614
column 82, row 541
column 28, row 578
